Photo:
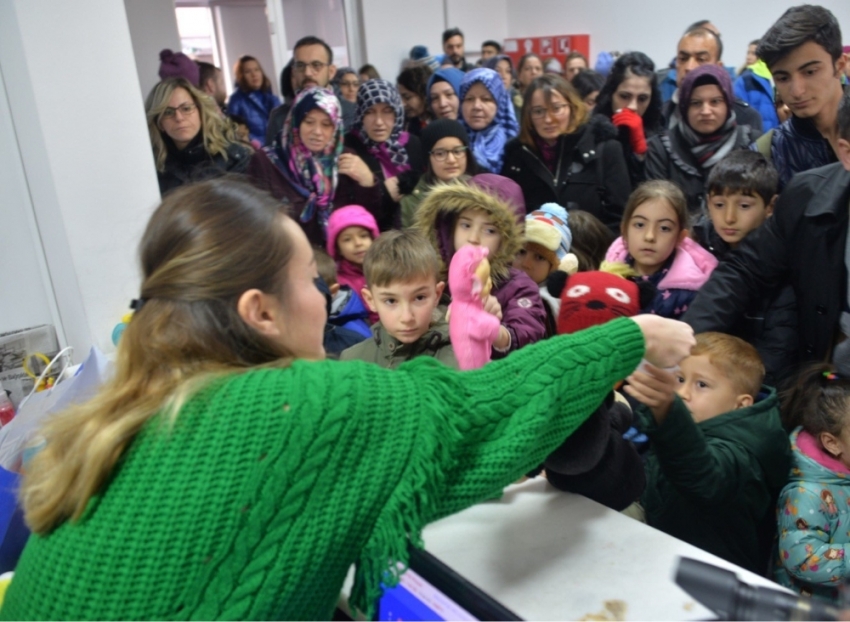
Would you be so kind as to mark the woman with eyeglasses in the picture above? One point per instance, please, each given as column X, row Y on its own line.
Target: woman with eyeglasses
column 566, row 156
column 253, row 99
column 345, row 83
column 487, row 113
column 393, row 155
column 446, row 145
column 191, row 140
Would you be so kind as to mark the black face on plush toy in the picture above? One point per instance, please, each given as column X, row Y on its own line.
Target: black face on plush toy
column 592, row 298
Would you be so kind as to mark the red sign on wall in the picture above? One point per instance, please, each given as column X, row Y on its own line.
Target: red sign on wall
column 557, row 46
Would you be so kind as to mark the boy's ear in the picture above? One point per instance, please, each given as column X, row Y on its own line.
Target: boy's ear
column 830, row 444
column 556, row 281
column 441, row 286
column 768, row 209
column 334, row 289
column 367, row 298
column 744, row 401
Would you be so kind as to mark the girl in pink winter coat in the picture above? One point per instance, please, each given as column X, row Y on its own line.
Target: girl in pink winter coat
column 654, row 247
column 351, row 231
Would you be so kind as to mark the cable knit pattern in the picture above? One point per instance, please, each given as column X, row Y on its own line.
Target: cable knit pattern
column 273, row 482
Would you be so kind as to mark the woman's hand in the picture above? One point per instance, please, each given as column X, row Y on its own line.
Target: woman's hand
column 667, row 341
column 634, row 122
column 653, row 388
column 354, row 166
column 391, row 185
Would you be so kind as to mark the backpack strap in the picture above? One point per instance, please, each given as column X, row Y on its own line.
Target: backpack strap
column 763, row 144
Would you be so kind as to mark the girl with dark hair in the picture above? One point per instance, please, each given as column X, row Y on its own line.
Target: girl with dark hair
column 631, row 99
column 412, row 85
column 445, row 145
column 812, row 508
column 564, row 155
column 253, row 99
column 706, row 130
column 393, row 155
column 226, row 461
column 588, row 83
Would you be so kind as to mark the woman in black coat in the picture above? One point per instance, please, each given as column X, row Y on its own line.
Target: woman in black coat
column 566, row 156
column 706, row 130
column 393, row 155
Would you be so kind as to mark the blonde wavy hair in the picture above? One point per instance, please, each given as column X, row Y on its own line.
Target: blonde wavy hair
column 204, row 247
column 218, row 131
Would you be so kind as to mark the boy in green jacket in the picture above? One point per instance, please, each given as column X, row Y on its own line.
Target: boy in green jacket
column 719, row 453
column 401, row 270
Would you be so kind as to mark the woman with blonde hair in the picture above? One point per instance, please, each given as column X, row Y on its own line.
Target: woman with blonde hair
column 566, row 156
column 227, row 471
column 191, row 140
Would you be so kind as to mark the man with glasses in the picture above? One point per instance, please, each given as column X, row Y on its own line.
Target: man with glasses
column 312, row 65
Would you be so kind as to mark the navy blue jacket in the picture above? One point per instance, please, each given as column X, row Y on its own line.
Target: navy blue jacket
column 797, row 146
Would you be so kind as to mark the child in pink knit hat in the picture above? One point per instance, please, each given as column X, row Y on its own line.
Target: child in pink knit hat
column 351, row 231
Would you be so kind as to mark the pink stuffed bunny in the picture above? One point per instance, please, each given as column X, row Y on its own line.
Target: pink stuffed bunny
column 472, row 330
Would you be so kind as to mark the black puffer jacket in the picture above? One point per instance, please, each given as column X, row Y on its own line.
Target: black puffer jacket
column 801, row 245
column 770, row 322
column 388, row 213
column 591, row 173
column 194, row 163
column 669, row 157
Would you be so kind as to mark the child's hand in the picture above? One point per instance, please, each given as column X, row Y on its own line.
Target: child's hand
column 492, row 306
column 654, row 388
column 391, row 185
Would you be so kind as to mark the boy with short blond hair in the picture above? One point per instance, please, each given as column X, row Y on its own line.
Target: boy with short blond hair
column 402, row 287
column 742, row 192
column 719, row 452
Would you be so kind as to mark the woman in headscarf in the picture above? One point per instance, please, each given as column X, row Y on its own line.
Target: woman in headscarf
column 190, row 139
column 704, row 131
column 345, row 83
column 444, row 93
column 393, row 156
column 253, row 99
column 308, row 167
column 504, row 66
column 566, row 156
column 487, row 113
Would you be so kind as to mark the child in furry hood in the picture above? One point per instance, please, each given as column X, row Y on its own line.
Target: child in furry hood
column 464, row 213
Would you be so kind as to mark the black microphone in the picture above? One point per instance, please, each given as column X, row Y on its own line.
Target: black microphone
column 731, row 599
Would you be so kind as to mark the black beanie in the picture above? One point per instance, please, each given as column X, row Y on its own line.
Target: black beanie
column 439, row 129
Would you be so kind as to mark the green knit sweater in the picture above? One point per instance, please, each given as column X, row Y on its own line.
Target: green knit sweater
column 273, row 482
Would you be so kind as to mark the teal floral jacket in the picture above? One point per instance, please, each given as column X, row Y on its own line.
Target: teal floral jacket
column 814, row 521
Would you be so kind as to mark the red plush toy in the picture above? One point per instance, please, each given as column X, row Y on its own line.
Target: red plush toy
column 593, row 298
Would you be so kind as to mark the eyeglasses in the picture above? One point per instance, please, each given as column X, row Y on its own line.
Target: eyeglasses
column 316, row 66
column 351, row 83
column 184, row 109
column 556, row 109
column 441, row 154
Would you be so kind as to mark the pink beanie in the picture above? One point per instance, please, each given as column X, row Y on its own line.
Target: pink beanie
column 349, row 216
column 178, row 65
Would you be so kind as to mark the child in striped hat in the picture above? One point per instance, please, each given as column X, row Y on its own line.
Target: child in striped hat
column 546, row 249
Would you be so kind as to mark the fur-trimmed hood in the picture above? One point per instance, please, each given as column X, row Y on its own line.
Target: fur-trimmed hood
column 438, row 213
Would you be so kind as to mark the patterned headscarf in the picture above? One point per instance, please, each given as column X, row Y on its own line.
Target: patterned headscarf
column 488, row 144
column 313, row 176
column 391, row 153
column 708, row 149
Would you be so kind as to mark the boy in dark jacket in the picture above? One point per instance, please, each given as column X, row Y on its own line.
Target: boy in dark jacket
column 719, row 453
column 742, row 191
column 402, row 271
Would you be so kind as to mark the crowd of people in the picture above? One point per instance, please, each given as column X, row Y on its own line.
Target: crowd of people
column 621, row 211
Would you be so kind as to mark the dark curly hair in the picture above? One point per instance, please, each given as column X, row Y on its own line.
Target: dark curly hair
column 632, row 64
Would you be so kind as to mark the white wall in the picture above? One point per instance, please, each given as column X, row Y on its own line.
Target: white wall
column 153, row 28
column 479, row 20
column 86, row 155
column 654, row 28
